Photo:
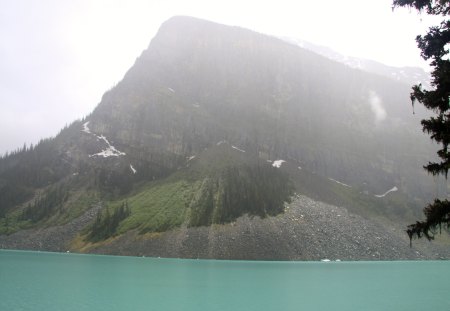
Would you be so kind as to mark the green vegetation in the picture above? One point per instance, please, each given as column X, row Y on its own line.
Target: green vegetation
column 53, row 207
column 434, row 47
column 11, row 195
column 10, row 224
column 106, row 224
column 44, row 206
column 29, row 168
column 79, row 201
column 228, row 110
column 212, row 191
column 159, row 207
column 258, row 190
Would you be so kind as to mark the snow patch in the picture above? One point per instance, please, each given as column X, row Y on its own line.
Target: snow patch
column 234, row 147
column 299, row 167
column 190, row 158
column 325, row 260
column 110, row 151
column 277, row 163
column 340, row 183
column 226, row 142
column 86, row 128
column 171, row 89
column 101, row 137
column 132, row 169
column 387, row 192
column 196, row 105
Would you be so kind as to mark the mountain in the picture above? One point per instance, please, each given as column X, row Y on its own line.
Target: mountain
column 220, row 142
column 408, row 75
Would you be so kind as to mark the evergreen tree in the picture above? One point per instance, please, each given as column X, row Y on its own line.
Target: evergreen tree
column 106, row 224
column 435, row 47
column 45, row 205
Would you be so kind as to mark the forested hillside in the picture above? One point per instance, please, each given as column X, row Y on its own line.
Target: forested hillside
column 212, row 123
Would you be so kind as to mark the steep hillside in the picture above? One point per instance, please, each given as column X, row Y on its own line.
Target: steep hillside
column 199, row 83
column 213, row 124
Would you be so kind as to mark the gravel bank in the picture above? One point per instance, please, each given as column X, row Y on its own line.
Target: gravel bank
column 54, row 239
column 308, row 230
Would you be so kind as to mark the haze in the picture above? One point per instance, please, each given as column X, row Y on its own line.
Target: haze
column 57, row 58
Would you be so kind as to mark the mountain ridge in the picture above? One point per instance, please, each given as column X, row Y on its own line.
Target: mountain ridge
column 214, row 123
column 409, row 75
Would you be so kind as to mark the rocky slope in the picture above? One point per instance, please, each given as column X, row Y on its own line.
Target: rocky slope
column 211, row 129
column 308, row 230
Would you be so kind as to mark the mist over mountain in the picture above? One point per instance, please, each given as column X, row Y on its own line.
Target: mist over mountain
column 408, row 75
column 215, row 127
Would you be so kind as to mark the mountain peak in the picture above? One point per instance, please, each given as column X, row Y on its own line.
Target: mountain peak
column 180, row 26
column 193, row 30
column 186, row 20
column 152, row 154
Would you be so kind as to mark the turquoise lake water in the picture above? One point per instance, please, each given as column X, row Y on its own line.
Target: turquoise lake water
column 53, row 281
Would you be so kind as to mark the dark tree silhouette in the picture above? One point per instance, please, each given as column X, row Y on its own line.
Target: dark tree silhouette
column 106, row 224
column 435, row 47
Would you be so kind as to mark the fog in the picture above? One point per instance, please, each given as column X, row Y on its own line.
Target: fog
column 58, row 58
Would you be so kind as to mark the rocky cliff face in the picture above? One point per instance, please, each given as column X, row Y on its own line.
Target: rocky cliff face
column 213, row 123
column 199, row 83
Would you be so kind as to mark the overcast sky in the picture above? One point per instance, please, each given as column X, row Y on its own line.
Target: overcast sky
column 58, row 57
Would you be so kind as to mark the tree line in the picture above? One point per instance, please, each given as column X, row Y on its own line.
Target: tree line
column 106, row 223
column 434, row 46
column 45, row 205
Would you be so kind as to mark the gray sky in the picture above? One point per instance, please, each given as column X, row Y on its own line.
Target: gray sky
column 58, row 57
